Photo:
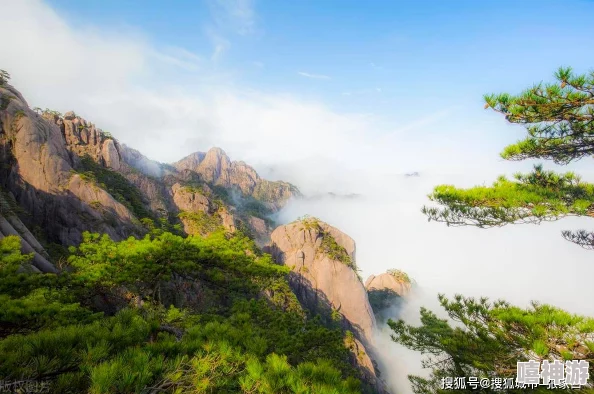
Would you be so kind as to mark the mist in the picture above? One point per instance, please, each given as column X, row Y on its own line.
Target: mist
column 517, row 263
column 168, row 102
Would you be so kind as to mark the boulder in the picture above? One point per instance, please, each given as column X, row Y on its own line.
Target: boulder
column 390, row 282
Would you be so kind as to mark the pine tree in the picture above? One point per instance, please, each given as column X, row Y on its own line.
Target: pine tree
column 559, row 119
column 483, row 339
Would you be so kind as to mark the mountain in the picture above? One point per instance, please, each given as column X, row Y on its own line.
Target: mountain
column 98, row 241
column 70, row 177
column 216, row 168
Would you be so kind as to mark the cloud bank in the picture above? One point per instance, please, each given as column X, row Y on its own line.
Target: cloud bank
column 169, row 102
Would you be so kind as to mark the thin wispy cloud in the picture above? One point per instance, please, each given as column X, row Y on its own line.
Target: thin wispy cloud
column 219, row 43
column 179, row 57
column 238, row 15
column 313, row 76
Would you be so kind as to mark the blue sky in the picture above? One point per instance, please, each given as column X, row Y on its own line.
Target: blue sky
column 399, row 83
column 376, row 54
column 341, row 96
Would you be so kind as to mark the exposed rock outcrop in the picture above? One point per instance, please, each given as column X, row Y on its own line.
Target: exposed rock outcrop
column 387, row 292
column 389, row 281
column 324, row 278
column 69, row 176
column 216, row 168
column 189, row 199
column 322, row 282
column 39, row 170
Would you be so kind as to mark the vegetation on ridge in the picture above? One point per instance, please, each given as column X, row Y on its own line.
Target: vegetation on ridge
column 164, row 313
column 115, row 184
column 329, row 246
column 401, row 276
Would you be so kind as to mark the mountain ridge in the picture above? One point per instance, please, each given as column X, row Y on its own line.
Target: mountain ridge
column 80, row 167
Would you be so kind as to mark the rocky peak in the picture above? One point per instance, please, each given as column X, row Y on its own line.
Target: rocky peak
column 39, row 170
column 216, row 167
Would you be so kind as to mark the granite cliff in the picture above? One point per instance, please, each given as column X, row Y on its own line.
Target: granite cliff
column 325, row 278
column 69, row 176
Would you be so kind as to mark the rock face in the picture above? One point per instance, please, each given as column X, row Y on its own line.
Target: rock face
column 50, row 163
column 387, row 281
column 386, row 293
column 189, row 200
column 216, row 168
column 324, row 284
column 10, row 224
column 320, row 281
column 38, row 169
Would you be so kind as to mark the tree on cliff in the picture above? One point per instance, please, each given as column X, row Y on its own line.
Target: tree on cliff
column 4, row 77
column 488, row 339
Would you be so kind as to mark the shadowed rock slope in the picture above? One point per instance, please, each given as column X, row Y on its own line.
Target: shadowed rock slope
column 386, row 293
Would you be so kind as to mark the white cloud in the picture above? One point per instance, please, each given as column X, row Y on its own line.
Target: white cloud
column 237, row 15
column 314, row 76
column 179, row 57
column 219, row 43
column 126, row 85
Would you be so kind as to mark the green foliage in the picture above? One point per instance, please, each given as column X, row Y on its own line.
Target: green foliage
column 250, row 206
column 115, row 184
column 53, row 113
column 558, row 118
column 5, row 101
column 252, row 336
column 383, row 302
column 530, row 198
column 4, row 77
column 401, row 276
column 335, row 251
column 32, row 301
column 201, row 222
column 489, row 338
